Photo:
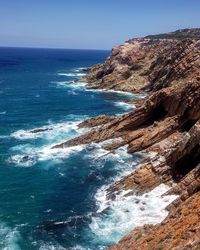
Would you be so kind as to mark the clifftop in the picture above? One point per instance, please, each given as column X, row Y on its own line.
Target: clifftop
column 178, row 34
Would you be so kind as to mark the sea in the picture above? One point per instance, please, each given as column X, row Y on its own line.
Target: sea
column 56, row 198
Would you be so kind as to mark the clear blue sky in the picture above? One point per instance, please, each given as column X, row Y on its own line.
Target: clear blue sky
column 90, row 23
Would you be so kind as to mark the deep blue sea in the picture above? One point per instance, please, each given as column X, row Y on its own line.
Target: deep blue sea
column 56, row 199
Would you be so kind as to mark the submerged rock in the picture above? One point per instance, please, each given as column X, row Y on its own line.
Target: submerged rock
column 39, row 130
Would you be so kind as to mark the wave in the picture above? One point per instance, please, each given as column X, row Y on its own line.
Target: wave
column 83, row 87
column 124, row 93
column 79, row 85
column 46, row 153
column 4, row 136
column 78, row 247
column 124, row 105
column 3, row 113
column 50, row 246
column 115, row 218
column 50, row 131
column 9, row 238
column 93, row 151
column 72, row 87
column 58, row 247
column 120, row 161
column 27, row 155
column 72, row 74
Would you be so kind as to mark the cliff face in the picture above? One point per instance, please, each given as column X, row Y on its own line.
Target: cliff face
column 150, row 62
column 167, row 122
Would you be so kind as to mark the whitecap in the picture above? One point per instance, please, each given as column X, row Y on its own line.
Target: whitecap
column 71, row 85
column 124, row 93
column 50, row 131
column 78, row 247
column 29, row 154
column 115, row 218
column 23, row 160
column 84, row 86
column 45, row 153
column 50, row 153
column 9, row 238
column 50, row 246
column 3, row 113
column 72, row 74
column 124, row 105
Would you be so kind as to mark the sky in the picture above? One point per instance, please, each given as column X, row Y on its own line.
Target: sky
column 90, row 24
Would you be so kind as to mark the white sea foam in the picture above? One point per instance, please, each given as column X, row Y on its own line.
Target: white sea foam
column 78, row 247
column 9, row 238
column 124, row 93
column 56, row 247
column 23, row 160
column 126, row 106
column 51, row 247
column 49, row 153
column 115, row 218
column 46, row 153
column 29, row 154
column 49, row 131
column 72, row 74
column 3, row 113
column 84, row 84
column 120, row 160
column 71, row 85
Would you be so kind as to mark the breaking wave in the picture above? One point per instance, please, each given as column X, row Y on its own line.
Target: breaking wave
column 9, row 238
column 117, row 217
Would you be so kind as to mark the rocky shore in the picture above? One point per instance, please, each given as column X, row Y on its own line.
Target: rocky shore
column 165, row 124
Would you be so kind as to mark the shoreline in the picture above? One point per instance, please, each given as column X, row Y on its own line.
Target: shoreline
column 166, row 123
column 110, row 191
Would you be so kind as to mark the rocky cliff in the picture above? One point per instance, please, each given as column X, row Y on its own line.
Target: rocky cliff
column 148, row 62
column 166, row 122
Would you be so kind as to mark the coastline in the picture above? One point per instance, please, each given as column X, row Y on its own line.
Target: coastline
column 102, row 179
column 170, row 130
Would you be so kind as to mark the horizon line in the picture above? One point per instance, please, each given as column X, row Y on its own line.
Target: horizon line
column 24, row 47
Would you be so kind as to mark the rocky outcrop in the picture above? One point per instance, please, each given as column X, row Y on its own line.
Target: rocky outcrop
column 96, row 121
column 165, row 125
column 126, row 67
column 153, row 61
column 179, row 63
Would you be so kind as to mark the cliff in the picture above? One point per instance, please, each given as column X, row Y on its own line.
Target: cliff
column 166, row 122
column 148, row 62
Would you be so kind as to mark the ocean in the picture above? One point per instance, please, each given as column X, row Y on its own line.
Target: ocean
column 56, row 198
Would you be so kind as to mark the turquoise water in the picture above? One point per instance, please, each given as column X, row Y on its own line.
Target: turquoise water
column 55, row 199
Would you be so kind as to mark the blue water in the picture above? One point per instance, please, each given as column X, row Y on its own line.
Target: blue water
column 48, row 199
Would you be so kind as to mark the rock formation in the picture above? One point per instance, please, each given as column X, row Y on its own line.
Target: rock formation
column 166, row 122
